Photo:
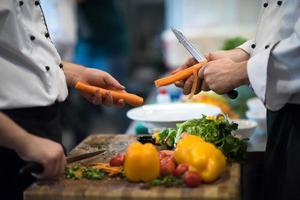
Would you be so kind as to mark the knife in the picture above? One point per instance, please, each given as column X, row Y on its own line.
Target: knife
column 34, row 167
column 197, row 55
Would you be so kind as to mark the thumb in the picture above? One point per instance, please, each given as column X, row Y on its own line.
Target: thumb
column 112, row 82
column 208, row 56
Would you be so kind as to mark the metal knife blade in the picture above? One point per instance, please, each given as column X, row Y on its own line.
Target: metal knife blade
column 188, row 46
column 197, row 55
column 72, row 159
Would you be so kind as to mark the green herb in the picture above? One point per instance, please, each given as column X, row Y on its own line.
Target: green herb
column 71, row 172
column 77, row 172
column 93, row 173
column 167, row 137
column 216, row 131
column 168, row 181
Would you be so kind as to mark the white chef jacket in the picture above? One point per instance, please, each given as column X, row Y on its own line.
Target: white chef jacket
column 31, row 73
column 274, row 64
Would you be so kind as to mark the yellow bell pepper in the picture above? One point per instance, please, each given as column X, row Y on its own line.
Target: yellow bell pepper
column 184, row 146
column 141, row 162
column 156, row 137
column 203, row 157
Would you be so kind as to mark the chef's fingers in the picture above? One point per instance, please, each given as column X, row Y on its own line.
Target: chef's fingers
column 107, row 99
column 56, row 171
column 97, row 98
column 50, row 168
column 188, row 85
column 111, row 82
column 179, row 84
column 120, row 103
column 203, row 85
column 60, row 165
column 207, row 56
column 63, row 164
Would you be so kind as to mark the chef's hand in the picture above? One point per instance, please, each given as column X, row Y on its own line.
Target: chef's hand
column 45, row 152
column 223, row 75
column 236, row 55
column 100, row 78
column 94, row 77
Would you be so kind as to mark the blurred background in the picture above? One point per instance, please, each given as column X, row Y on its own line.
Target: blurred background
column 131, row 39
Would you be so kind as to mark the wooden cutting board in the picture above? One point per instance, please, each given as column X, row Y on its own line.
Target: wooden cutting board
column 226, row 187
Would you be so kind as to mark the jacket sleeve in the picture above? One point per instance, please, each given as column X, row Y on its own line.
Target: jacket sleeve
column 246, row 46
column 274, row 73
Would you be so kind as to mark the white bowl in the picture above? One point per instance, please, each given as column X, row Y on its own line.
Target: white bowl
column 168, row 115
column 260, row 119
column 246, row 128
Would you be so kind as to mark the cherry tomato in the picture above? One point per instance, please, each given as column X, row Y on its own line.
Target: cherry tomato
column 117, row 160
column 167, row 166
column 191, row 179
column 181, row 169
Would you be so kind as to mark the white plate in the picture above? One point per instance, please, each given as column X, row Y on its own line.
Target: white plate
column 167, row 115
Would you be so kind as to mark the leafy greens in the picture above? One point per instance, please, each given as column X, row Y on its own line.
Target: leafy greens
column 214, row 130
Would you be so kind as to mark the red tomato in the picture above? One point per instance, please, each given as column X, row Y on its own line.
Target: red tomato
column 162, row 155
column 167, row 166
column 191, row 179
column 181, row 169
column 117, row 160
column 165, row 153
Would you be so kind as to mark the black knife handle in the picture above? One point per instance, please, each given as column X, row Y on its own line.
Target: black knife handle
column 233, row 94
column 31, row 167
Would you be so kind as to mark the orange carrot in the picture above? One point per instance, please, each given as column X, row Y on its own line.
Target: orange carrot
column 180, row 75
column 108, row 169
column 195, row 83
column 129, row 98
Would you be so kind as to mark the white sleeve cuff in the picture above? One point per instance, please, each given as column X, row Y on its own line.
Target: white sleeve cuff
column 257, row 73
column 246, row 46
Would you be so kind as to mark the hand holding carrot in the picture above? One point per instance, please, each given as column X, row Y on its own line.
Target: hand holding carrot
column 117, row 95
column 101, row 79
column 182, row 75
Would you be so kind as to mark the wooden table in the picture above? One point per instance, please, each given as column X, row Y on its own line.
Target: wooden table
column 227, row 187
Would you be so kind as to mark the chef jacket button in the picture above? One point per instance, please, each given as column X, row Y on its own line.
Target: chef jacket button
column 279, row 3
column 266, row 5
column 253, row 46
column 32, row 38
column 36, row 3
column 47, row 68
column 61, row 65
column 21, row 3
column 267, row 46
column 47, row 35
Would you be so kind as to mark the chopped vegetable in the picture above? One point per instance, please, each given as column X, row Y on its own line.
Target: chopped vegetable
column 77, row 172
column 111, row 171
column 93, row 173
column 73, row 172
column 167, row 181
column 129, row 98
column 216, row 131
column 117, row 160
